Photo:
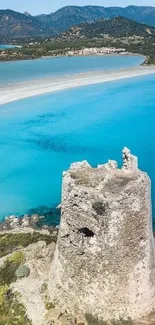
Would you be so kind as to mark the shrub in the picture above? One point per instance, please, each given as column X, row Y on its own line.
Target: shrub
column 10, row 242
column 7, row 273
column 11, row 311
column 44, row 288
column 91, row 320
column 122, row 321
column 3, row 291
column 17, row 257
column 49, row 305
column 8, row 270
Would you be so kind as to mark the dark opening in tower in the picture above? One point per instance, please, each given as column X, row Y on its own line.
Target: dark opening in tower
column 87, row 232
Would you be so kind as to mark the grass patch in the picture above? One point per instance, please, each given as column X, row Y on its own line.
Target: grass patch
column 7, row 273
column 11, row 311
column 11, row 242
column 17, row 257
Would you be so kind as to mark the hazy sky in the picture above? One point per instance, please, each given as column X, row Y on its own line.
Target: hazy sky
column 48, row 6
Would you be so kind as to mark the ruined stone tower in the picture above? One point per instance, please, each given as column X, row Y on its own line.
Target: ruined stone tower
column 104, row 260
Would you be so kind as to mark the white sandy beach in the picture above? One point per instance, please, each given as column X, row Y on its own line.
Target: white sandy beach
column 22, row 90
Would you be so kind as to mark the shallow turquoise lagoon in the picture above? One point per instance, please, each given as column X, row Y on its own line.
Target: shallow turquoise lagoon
column 12, row 72
column 41, row 136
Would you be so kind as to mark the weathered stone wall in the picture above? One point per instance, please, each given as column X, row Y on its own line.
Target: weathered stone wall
column 104, row 261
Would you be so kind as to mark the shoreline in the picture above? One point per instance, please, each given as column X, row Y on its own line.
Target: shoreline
column 14, row 59
column 22, row 90
column 87, row 55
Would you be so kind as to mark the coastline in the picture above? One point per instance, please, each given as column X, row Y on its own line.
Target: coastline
column 98, row 52
column 87, row 55
column 22, row 90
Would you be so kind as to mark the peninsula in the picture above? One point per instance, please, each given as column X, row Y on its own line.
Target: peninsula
column 48, row 85
column 105, row 36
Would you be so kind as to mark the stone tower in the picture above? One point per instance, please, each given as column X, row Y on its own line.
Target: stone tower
column 104, row 260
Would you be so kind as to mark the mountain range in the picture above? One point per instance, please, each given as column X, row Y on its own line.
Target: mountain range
column 114, row 27
column 14, row 24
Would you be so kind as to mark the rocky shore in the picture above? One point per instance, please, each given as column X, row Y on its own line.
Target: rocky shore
column 98, row 267
column 25, row 224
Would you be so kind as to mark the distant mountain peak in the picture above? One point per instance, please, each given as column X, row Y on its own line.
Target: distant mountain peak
column 15, row 25
column 26, row 13
column 23, row 25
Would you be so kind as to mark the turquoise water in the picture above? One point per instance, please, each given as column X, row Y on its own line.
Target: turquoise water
column 5, row 46
column 11, row 72
column 41, row 136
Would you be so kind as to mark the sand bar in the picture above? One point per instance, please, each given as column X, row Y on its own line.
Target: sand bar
column 22, row 90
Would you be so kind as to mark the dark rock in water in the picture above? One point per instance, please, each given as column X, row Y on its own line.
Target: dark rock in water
column 22, row 272
column 40, row 218
column 51, row 215
column 41, row 211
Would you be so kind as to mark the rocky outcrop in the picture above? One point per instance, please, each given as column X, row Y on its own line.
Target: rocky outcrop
column 104, row 261
column 38, row 258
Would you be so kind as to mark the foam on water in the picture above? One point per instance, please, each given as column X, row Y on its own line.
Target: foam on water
column 41, row 136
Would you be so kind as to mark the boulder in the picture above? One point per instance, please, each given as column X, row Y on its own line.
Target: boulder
column 22, row 272
column 35, row 218
column 26, row 222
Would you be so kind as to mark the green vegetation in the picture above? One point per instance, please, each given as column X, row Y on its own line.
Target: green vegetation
column 116, row 27
column 24, row 25
column 45, row 293
column 118, row 32
column 11, row 311
column 17, row 257
column 122, row 321
column 12, row 242
column 137, row 45
column 9, row 268
column 21, row 25
column 91, row 320
column 150, row 60
column 49, row 305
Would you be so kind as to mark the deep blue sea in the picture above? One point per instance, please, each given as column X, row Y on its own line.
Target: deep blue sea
column 41, row 136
